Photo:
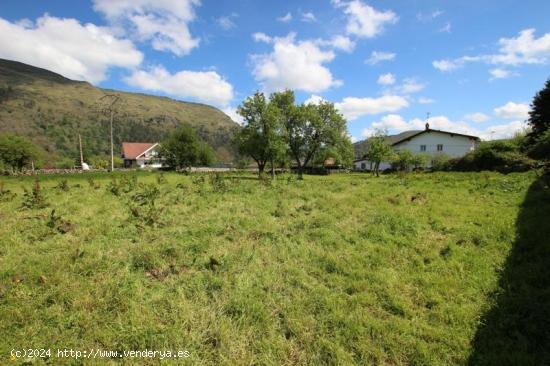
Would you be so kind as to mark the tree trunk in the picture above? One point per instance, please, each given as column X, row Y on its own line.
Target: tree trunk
column 261, row 167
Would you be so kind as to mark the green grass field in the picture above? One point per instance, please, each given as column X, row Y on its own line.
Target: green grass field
column 420, row 269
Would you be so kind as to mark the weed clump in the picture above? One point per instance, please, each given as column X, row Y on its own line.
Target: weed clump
column 63, row 185
column 34, row 198
column 218, row 183
column 161, row 179
column 143, row 207
column 5, row 194
column 93, row 184
column 57, row 223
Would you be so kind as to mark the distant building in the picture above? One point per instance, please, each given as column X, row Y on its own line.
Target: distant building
column 427, row 141
column 141, row 155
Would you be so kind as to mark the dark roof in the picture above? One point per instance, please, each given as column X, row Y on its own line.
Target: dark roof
column 411, row 134
column 131, row 150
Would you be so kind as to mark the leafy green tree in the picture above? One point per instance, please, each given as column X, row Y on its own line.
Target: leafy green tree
column 311, row 129
column 419, row 160
column 378, row 150
column 539, row 116
column 18, row 152
column 261, row 138
column 403, row 160
column 184, row 149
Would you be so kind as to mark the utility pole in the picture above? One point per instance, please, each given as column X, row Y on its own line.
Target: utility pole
column 81, row 156
column 108, row 104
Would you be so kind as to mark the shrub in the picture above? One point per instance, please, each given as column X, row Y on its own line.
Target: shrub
column 93, row 184
column 143, row 206
column 402, row 160
column 218, row 182
column 5, row 194
column 58, row 224
column 504, row 156
column 63, row 185
column 34, row 198
column 439, row 162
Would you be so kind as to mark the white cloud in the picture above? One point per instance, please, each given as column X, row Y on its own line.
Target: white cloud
column 226, row 21
column 364, row 20
column 386, row 79
column 477, row 117
column 409, row 86
column 77, row 51
column 513, row 110
column 450, row 65
column 314, row 99
column 379, row 56
column 204, row 86
column 446, row 28
column 292, row 64
column 339, row 42
column 394, row 123
column 424, row 100
column 426, row 17
column 308, row 17
column 232, row 113
column 353, row 108
column 164, row 23
column 502, row 131
column 285, row 18
column 499, row 74
column 524, row 49
column 261, row 37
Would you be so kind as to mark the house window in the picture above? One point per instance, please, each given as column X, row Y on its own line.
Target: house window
column 363, row 166
column 439, row 147
column 422, row 147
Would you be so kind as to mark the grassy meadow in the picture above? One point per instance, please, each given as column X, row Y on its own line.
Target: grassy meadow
column 344, row 269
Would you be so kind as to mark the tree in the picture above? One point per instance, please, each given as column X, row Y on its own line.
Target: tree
column 261, row 138
column 18, row 152
column 184, row 148
column 311, row 129
column 378, row 150
column 539, row 116
column 403, row 160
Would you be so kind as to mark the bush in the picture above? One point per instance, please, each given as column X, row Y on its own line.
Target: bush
column 34, row 198
column 540, row 149
column 440, row 162
column 17, row 152
column 402, row 160
column 504, row 156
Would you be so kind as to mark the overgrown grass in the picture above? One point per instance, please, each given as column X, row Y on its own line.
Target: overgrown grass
column 335, row 270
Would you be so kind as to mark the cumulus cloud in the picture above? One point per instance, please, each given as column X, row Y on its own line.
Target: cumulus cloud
column 363, row 20
column 261, row 37
column 386, row 79
column 379, row 56
column 164, row 23
column 409, row 86
column 499, row 73
column 477, row 117
column 314, row 99
column 394, row 123
column 75, row 50
column 338, row 42
column 203, row 86
column 308, row 17
column 513, row 110
column 285, row 18
column 292, row 64
column 353, row 108
column 232, row 113
column 523, row 49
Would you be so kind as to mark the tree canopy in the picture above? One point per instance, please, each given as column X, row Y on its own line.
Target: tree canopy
column 538, row 140
column 18, row 152
column 184, row 148
column 379, row 150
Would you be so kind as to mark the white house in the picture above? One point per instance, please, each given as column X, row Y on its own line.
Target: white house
column 427, row 141
column 141, row 155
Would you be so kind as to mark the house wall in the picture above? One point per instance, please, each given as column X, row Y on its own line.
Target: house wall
column 454, row 146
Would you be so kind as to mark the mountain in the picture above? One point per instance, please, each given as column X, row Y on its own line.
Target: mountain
column 52, row 110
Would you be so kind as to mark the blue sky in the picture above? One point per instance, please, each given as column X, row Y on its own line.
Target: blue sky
column 474, row 65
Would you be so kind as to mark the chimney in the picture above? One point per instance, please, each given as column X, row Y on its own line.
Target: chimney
column 427, row 126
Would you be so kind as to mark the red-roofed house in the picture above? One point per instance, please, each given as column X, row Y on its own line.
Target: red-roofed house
column 141, row 154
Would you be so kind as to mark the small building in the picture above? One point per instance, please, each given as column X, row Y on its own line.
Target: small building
column 427, row 141
column 141, row 155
